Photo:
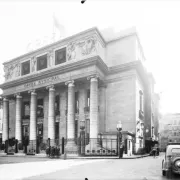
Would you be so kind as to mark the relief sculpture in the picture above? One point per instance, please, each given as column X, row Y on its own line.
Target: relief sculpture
column 50, row 58
column 71, row 53
column 33, row 64
column 12, row 71
column 88, row 46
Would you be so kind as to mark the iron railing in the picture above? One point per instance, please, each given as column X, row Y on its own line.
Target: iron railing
column 55, row 147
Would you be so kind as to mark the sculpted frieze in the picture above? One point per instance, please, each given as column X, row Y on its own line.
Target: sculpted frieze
column 50, row 58
column 12, row 71
column 81, row 48
column 88, row 46
column 71, row 53
column 33, row 64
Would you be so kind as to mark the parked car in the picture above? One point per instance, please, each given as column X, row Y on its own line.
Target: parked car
column 171, row 161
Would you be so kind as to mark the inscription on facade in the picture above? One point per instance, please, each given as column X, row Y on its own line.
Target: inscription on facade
column 42, row 81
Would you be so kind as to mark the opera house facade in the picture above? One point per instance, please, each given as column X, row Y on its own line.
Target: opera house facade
column 83, row 80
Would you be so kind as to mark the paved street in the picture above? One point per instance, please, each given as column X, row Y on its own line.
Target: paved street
column 112, row 169
column 106, row 169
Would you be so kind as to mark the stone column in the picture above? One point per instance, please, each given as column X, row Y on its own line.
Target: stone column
column 5, row 119
column 33, row 112
column 93, row 143
column 31, row 149
column 71, row 146
column 62, row 122
column 93, row 106
column 51, row 114
column 18, row 130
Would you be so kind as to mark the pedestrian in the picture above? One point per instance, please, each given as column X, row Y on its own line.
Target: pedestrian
column 154, row 151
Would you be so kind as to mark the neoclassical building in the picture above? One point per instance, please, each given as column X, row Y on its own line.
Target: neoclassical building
column 85, row 77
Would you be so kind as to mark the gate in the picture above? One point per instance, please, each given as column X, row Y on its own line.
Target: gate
column 92, row 147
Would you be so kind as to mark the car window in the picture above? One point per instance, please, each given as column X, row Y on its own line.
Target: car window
column 175, row 151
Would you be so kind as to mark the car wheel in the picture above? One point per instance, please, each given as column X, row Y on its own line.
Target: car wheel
column 163, row 172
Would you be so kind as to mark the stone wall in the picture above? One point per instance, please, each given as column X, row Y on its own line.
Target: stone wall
column 120, row 101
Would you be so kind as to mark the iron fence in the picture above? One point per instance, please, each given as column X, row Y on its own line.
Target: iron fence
column 55, row 147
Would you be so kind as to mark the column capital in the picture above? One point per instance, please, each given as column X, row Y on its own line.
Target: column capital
column 70, row 83
column 32, row 91
column 17, row 95
column 5, row 98
column 93, row 77
column 50, row 87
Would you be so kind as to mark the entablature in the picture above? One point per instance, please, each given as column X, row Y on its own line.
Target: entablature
column 75, row 48
column 77, row 71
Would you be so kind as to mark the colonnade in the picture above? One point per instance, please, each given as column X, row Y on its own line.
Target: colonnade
column 51, row 113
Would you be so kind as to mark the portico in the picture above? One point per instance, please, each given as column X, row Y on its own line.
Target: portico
column 66, row 91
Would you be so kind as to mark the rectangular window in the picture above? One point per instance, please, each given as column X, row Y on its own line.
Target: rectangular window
column 25, row 68
column 42, row 62
column 60, row 56
column 57, row 105
column 26, row 109
column 40, row 108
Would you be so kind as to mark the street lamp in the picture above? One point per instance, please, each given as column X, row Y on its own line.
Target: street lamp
column 82, row 137
column 119, row 129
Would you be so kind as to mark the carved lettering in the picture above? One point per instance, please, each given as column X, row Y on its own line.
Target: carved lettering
column 43, row 81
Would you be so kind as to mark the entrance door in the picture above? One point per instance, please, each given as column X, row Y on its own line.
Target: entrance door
column 39, row 136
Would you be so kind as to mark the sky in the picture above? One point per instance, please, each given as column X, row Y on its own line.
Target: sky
column 24, row 23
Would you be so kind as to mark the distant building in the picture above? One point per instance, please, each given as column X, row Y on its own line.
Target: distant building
column 169, row 129
column 49, row 92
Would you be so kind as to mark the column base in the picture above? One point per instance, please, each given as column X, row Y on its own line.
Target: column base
column 71, row 149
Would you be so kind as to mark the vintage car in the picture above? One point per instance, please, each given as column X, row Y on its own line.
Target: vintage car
column 171, row 161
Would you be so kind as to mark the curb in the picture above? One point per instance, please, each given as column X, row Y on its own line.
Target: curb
column 62, row 157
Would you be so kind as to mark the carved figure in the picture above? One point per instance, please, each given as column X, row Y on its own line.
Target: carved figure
column 17, row 69
column 12, row 71
column 33, row 64
column 88, row 46
column 50, row 58
column 71, row 53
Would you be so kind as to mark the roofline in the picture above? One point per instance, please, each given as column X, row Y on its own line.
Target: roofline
column 62, row 40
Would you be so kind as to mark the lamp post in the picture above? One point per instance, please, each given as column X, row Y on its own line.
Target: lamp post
column 119, row 129
column 82, row 137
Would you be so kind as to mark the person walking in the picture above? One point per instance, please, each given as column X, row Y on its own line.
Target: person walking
column 154, row 151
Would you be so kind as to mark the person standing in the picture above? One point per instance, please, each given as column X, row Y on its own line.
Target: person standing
column 154, row 151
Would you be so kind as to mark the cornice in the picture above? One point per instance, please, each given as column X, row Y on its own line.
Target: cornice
column 60, row 42
column 137, row 65
column 96, row 60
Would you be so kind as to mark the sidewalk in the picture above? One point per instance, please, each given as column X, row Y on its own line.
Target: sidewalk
column 110, row 157
column 77, row 157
